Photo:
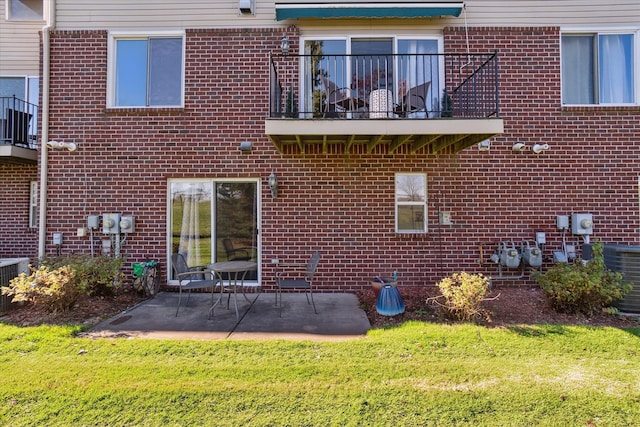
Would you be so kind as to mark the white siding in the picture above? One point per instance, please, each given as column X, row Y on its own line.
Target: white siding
column 180, row 14
column 19, row 46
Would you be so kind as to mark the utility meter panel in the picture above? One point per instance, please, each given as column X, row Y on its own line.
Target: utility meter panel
column 581, row 224
column 127, row 224
column 111, row 223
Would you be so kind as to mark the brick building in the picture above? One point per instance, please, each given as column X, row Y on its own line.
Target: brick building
column 181, row 111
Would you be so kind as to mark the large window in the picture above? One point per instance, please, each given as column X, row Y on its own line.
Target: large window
column 411, row 203
column 24, row 10
column 598, row 69
column 147, row 71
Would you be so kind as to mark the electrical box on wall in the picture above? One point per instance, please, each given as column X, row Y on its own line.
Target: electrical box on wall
column 57, row 239
column 110, row 223
column 562, row 222
column 93, row 221
column 445, row 218
column 581, row 224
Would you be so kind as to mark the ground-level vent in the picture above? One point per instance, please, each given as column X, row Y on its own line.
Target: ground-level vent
column 626, row 260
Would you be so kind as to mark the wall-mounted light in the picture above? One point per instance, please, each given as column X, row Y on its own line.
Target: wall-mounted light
column 285, row 45
column 245, row 145
column 519, row 146
column 273, row 184
column 539, row 148
column 484, row 145
column 62, row 145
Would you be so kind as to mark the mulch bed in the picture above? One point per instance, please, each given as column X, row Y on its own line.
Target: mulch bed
column 504, row 306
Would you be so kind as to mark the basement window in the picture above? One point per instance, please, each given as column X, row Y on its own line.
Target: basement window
column 411, row 203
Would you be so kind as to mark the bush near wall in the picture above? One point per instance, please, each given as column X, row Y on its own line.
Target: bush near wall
column 582, row 287
column 58, row 282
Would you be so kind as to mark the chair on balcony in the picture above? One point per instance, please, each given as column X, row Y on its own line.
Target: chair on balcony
column 190, row 278
column 338, row 99
column 291, row 276
column 414, row 100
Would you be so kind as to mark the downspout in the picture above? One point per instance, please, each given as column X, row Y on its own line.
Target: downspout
column 46, row 65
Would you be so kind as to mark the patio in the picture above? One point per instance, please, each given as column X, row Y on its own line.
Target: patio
column 339, row 317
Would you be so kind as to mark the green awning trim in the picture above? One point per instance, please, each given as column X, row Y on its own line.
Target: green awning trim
column 367, row 10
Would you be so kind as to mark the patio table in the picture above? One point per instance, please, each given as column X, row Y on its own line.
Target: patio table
column 235, row 271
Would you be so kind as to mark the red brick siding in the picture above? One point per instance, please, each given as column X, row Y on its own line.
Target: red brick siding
column 342, row 205
column 17, row 240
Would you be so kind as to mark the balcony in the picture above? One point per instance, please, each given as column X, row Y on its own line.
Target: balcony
column 382, row 104
column 18, row 131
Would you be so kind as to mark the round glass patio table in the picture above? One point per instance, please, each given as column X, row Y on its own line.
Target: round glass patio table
column 235, row 272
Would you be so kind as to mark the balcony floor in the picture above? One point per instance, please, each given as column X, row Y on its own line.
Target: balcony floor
column 381, row 136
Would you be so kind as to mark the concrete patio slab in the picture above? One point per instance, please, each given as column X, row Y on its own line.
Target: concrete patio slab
column 339, row 317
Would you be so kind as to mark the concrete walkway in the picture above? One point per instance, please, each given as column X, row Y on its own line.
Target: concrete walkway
column 339, row 317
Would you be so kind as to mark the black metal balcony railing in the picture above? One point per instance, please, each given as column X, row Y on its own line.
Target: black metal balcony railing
column 18, row 122
column 390, row 86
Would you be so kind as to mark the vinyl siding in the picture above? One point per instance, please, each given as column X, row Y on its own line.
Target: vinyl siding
column 19, row 45
column 172, row 14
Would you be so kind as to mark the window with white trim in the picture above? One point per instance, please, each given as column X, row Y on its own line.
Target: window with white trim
column 33, row 204
column 411, row 203
column 598, row 68
column 146, row 71
column 25, row 10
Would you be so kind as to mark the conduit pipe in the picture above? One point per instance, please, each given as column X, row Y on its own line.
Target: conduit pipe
column 50, row 24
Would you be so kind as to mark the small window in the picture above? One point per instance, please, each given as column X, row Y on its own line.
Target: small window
column 33, row 204
column 24, row 10
column 598, row 69
column 411, row 203
column 147, row 72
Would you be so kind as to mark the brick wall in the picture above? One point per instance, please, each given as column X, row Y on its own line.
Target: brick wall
column 342, row 205
column 17, row 240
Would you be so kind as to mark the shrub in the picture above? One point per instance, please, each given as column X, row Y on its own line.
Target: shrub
column 582, row 287
column 462, row 294
column 94, row 275
column 53, row 288
column 60, row 281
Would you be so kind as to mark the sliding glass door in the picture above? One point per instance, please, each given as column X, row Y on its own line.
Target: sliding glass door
column 214, row 220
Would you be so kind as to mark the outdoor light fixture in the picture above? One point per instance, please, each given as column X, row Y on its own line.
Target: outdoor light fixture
column 62, row 145
column 519, row 146
column 285, row 45
column 273, row 184
column 484, row 145
column 539, row 148
column 245, row 145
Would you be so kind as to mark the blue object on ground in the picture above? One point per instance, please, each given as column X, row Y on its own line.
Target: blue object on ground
column 389, row 301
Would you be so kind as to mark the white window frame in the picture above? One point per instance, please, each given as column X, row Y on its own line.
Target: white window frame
column 33, row 204
column 596, row 32
column 112, row 65
column 421, row 203
column 212, row 182
column 10, row 17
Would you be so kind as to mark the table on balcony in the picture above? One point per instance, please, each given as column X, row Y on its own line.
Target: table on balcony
column 380, row 104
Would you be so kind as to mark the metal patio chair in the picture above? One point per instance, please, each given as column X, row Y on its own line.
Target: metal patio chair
column 190, row 278
column 291, row 276
column 414, row 100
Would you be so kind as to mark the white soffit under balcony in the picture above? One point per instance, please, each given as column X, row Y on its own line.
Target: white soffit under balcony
column 289, row 9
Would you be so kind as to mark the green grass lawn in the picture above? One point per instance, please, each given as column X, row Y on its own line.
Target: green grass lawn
column 417, row 374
